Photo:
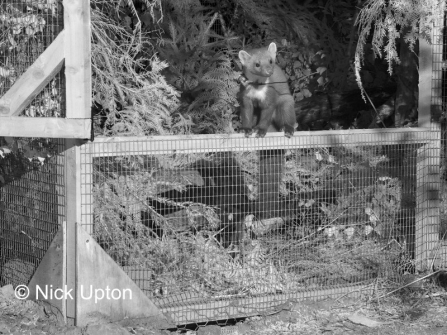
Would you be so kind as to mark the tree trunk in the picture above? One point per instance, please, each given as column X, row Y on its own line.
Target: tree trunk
column 407, row 84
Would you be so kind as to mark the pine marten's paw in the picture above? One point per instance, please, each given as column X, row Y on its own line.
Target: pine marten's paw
column 288, row 131
column 261, row 133
column 247, row 131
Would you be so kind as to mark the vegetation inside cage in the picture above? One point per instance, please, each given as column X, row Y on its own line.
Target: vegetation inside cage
column 143, row 101
column 192, row 222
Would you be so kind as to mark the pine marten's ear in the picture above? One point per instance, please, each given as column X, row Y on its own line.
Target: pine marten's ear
column 244, row 57
column 272, row 49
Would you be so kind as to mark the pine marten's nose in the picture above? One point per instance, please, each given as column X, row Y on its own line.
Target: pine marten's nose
column 269, row 70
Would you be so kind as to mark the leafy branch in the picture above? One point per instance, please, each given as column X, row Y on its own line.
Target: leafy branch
column 386, row 20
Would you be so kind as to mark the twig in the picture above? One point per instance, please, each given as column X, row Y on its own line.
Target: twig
column 360, row 289
column 414, row 281
column 351, row 42
column 111, row 70
column 374, row 107
column 309, row 235
column 438, row 247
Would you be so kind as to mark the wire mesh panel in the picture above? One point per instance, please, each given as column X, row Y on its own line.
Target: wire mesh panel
column 31, row 209
column 27, row 28
column 233, row 225
column 31, row 192
column 438, row 254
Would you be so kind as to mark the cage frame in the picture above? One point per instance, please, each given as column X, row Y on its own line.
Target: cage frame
column 427, row 214
column 73, row 47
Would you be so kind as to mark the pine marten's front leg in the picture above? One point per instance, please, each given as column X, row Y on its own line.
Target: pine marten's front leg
column 285, row 116
column 247, row 115
column 267, row 107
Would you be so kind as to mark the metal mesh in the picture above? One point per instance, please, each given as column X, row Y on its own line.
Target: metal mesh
column 27, row 28
column 439, row 108
column 31, row 210
column 207, row 221
column 31, row 195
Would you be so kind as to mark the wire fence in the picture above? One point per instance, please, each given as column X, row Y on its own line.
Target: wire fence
column 220, row 227
column 32, row 208
column 31, row 193
column 27, row 28
column 197, row 221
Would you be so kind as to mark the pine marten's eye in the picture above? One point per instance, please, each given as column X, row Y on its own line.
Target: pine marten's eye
column 258, row 64
column 271, row 61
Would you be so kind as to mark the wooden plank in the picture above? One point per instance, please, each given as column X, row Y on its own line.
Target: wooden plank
column 60, row 190
column 112, row 146
column 190, row 312
column 428, row 164
column 38, row 75
column 45, row 127
column 73, row 218
column 103, row 287
column 425, row 81
column 77, row 47
column 64, row 268
column 424, row 120
column 49, row 275
column 427, row 204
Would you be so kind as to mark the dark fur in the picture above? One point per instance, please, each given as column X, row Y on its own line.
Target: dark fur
column 223, row 188
column 266, row 101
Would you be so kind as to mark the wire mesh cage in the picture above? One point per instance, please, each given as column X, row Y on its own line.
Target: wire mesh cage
column 215, row 227
column 31, row 170
column 31, row 210
column 27, row 28
column 195, row 222
column 439, row 108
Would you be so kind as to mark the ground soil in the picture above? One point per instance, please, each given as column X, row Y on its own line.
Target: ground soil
column 411, row 311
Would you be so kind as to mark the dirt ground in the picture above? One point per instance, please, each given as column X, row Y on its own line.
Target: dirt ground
column 417, row 310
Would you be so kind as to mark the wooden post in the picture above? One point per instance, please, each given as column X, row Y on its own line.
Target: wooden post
column 78, row 73
column 35, row 78
column 73, row 215
column 427, row 207
column 425, row 82
column 428, row 163
column 61, row 211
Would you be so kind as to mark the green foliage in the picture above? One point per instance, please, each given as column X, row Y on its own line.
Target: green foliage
column 200, row 43
column 305, row 69
column 309, row 48
column 138, row 102
column 25, row 28
column 21, row 155
column 23, row 38
column 366, row 203
column 386, row 20
column 265, row 20
column 323, row 242
column 146, row 53
column 200, row 65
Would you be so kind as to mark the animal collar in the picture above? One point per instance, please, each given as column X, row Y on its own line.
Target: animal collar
column 242, row 79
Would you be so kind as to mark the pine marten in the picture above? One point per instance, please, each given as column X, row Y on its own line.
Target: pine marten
column 266, row 101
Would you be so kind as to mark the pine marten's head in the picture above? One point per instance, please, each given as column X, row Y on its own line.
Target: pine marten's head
column 259, row 62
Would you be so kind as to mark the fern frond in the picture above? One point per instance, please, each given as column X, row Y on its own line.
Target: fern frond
column 387, row 20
